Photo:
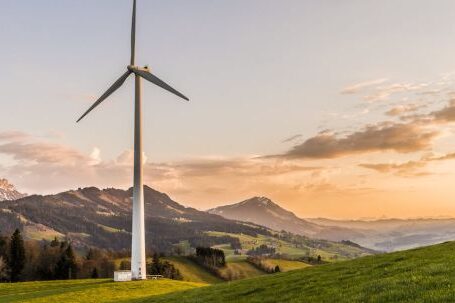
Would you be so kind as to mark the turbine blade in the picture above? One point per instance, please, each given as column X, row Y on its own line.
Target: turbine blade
column 111, row 89
column 133, row 34
column 157, row 81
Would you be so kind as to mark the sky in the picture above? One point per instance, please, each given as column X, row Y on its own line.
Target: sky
column 339, row 109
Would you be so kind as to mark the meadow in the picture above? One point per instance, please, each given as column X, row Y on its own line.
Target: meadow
column 89, row 291
column 419, row 275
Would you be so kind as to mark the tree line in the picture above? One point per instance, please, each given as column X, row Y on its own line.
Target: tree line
column 57, row 260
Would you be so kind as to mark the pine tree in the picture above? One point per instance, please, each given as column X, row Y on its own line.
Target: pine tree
column 71, row 262
column 66, row 266
column 16, row 257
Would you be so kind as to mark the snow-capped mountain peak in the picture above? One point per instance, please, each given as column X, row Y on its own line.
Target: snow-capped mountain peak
column 8, row 191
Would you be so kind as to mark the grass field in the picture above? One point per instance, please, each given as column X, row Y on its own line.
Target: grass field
column 88, row 291
column 192, row 272
column 419, row 275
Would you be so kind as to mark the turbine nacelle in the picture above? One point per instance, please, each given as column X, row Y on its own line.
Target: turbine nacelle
column 133, row 68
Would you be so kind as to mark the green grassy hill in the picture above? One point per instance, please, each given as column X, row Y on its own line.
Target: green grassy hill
column 419, row 275
column 193, row 272
column 299, row 247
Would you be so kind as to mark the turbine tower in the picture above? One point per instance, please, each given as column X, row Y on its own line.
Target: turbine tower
column 138, row 265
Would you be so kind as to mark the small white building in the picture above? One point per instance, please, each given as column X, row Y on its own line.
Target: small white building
column 122, row 275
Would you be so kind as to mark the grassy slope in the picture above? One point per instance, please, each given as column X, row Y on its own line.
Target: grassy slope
column 192, row 272
column 419, row 275
column 88, row 291
column 240, row 270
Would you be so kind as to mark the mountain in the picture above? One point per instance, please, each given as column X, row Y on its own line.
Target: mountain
column 92, row 217
column 8, row 191
column 263, row 211
column 102, row 218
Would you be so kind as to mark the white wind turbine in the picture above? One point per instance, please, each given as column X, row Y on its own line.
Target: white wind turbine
column 138, row 263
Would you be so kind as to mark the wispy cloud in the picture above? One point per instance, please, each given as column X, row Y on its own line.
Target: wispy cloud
column 409, row 168
column 292, row 138
column 402, row 109
column 357, row 87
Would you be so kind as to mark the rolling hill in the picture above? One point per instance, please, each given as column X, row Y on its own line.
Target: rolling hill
column 419, row 275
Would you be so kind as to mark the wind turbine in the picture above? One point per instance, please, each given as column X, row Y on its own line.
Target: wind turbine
column 138, row 265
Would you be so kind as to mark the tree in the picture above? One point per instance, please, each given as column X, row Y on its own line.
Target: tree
column 95, row 273
column 3, row 270
column 16, row 257
column 125, row 265
column 67, row 265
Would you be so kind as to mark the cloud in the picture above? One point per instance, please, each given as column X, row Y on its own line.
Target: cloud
column 13, row 135
column 399, row 110
column 404, row 169
column 42, row 152
column 447, row 114
column 410, row 168
column 355, row 88
column 292, row 138
column 43, row 167
column 385, row 136
column 384, row 92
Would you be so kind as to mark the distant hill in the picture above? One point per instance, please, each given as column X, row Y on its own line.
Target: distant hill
column 419, row 275
column 263, row 211
column 8, row 191
column 380, row 235
column 396, row 234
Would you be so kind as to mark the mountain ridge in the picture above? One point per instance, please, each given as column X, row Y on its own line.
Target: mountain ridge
column 93, row 217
